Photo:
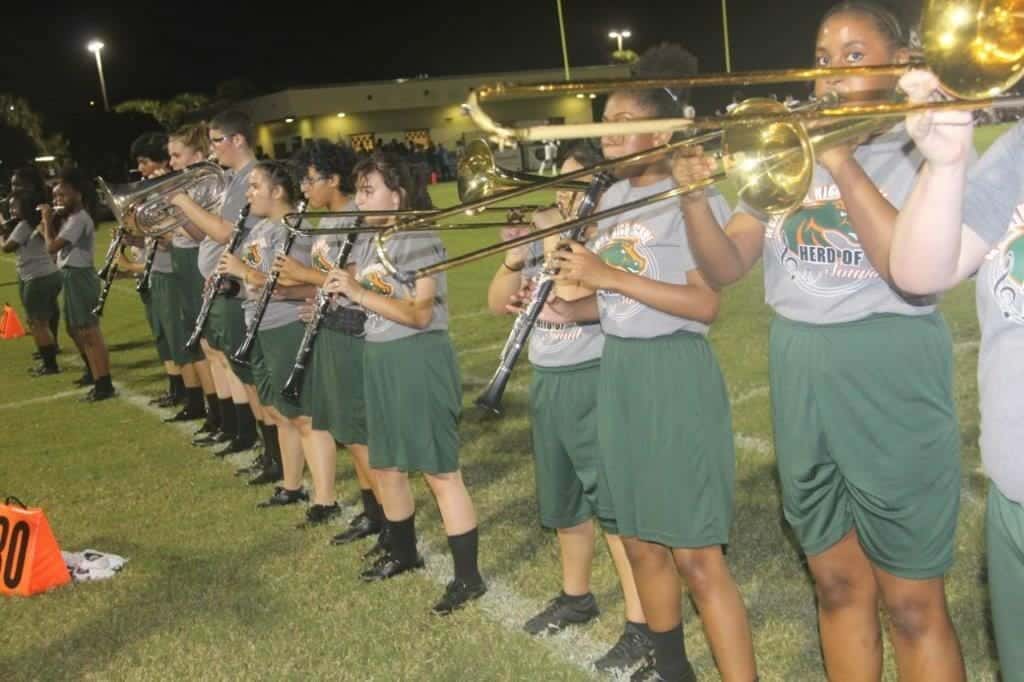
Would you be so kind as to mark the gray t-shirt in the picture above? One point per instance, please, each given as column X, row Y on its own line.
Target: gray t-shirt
column 32, row 259
column 258, row 249
column 649, row 241
column 407, row 251
column 325, row 253
column 815, row 270
column 180, row 239
column 995, row 200
column 234, row 201
column 559, row 345
column 79, row 232
column 162, row 261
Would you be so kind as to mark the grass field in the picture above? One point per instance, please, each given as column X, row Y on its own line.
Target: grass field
column 216, row 589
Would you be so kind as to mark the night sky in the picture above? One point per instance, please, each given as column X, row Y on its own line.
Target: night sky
column 159, row 49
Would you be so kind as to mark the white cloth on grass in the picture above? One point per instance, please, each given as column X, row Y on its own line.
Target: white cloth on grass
column 90, row 564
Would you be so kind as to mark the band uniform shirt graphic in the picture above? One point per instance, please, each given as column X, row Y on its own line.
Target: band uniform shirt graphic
column 815, row 268
column 79, row 232
column 649, row 241
column 559, row 345
column 994, row 209
column 257, row 251
column 407, row 251
column 325, row 251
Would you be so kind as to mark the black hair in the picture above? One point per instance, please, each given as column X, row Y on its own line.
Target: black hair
column 27, row 200
column 330, row 159
column 77, row 180
column 886, row 20
column 30, row 178
column 152, row 146
column 234, row 122
column 585, row 152
column 399, row 176
column 285, row 175
column 666, row 60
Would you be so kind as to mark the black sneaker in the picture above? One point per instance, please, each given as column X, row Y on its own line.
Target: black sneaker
column 43, row 370
column 84, row 380
column 359, row 527
column 282, row 497
column 234, row 446
column 185, row 415
column 96, row 395
column 208, row 428
column 161, row 400
column 380, row 548
column 457, row 594
column 319, row 514
column 561, row 612
column 388, row 566
column 649, row 673
column 634, row 646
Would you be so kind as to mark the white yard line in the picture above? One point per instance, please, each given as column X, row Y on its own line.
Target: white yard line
column 43, row 399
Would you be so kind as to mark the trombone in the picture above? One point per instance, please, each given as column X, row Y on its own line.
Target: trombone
column 974, row 47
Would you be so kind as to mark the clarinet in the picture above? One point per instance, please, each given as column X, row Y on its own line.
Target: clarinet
column 490, row 399
column 293, row 386
column 109, row 271
column 217, row 282
column 142, row 286
column 241, row 354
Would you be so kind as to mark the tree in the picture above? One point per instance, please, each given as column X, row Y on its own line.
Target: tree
column 15, row 112
column 624, row 57
column 17, row 148
column 169, row 114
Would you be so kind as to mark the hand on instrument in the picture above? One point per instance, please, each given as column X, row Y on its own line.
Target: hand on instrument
column 516, row 258
column 179, row 199
column 45, row 211
column 342, row 282
column 230, row 264
column 287, row 266
column 690, row 166
column 943, row 137
column 581, row 267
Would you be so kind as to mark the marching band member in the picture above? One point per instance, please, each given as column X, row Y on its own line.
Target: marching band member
column 566, row 360
column 866, row 432
column 69, row 232
column 413, row 390
column 664, row 423
column 338, row 409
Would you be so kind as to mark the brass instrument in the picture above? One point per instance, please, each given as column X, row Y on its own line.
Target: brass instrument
column 143, row 208
column 974, row 47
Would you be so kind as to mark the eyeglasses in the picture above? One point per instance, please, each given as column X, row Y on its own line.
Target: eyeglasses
column 307, row 181
column 218, row 140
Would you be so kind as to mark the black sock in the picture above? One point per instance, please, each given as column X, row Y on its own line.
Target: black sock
column 177, row 386
column 464, row 551
column 246, row 423
column 49, row 356
column 213, row 410
column 228, row 417
column 195, row 403
column 103, row 384
column 402, row 540
column 271, row 448
column 371, row 507
column 670, row 653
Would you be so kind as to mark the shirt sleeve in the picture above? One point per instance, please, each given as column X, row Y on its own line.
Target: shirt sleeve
column 994, row 187
column 72, row 230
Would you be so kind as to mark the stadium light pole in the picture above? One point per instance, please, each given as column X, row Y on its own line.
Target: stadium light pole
column 725, row 32
column 565, row 49
column 95, row 47
column 620, row 36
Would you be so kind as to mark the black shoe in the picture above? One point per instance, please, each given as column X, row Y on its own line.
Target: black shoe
column 380, row 548
column 634, row 646
column 84, row 380
column 649, row 673
column 267, row 476
column 162, row 398
column 185, row 415
column 209, row 439
column 43, row 370
column 457, row 594
column 234, row 446
column 319, row 514
column 282, row 497
column 208, row 428
column 389, row 566
column 168, row 401
column 358, row 528
column 561, row 612
column 255, row 467
column 94, row 395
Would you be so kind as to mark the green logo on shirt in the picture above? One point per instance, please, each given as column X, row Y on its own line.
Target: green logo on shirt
column 253, row 255
column 375, row 282
column 623, row 255
column 821, row 233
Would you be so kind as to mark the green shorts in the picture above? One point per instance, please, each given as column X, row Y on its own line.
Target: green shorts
column 190, row 292
column 563, row 416
column 1004, row 530
column 165, row 318
column 81, row 288
column 41, row 297
column 272, row 365
column 866, row 437
column 664, row 432
column 337, row 384
column 163, row 349
column 413, row 403
column 225, row 331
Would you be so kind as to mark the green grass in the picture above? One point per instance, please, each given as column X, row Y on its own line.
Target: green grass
column 216, row 589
